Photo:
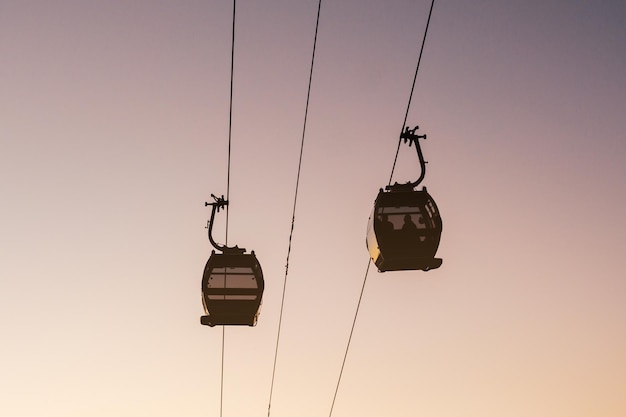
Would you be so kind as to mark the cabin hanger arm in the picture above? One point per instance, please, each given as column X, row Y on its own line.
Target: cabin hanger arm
column 409, row 136
column 218, row 204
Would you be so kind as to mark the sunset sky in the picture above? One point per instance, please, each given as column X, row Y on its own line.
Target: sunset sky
column 114, row 132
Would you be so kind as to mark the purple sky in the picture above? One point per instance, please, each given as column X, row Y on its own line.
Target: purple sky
column 114, row 131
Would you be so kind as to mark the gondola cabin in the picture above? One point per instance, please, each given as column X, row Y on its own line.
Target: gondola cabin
column 232, row 289
column 404, row 230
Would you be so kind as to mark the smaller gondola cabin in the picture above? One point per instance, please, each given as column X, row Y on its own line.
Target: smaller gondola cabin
column 232, row 289
column 404, row 230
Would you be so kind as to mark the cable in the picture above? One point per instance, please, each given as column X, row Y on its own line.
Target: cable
column 345, row 356
column 230, row 124
column 230, row 114
column 406, row 115
column 222, row 374
column 390, row 177
column 295, row 199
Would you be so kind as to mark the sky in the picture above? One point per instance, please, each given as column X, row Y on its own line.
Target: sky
column 114, row 132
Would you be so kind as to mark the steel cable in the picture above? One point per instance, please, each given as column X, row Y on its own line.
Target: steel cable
column 295, row 199
column 406, row 115
column 390, row 177
column 230, row 125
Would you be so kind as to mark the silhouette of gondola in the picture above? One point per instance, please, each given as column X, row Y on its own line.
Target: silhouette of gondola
column 232, row 283
column 405, row 226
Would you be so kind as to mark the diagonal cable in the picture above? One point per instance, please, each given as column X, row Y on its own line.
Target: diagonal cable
column 295, row 200
column 230, row 125
column 345, row 356
column 390, row 177
column 406, row 115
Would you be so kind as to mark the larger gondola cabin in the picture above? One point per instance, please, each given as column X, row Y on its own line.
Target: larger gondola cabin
column 404, row 230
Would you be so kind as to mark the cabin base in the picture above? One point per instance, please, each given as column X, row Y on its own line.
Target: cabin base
column 407, row 264
column 228, row 321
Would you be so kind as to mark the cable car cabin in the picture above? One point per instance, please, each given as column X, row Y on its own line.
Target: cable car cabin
column 404, row 230
column 232, row 289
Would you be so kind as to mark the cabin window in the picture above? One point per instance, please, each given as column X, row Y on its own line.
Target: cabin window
column 232, row 277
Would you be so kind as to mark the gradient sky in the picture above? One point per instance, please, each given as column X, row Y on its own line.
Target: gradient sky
column 114, row 132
